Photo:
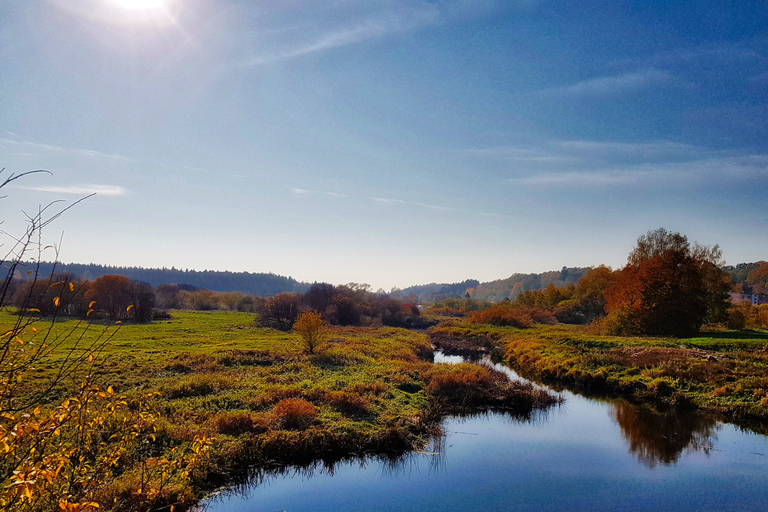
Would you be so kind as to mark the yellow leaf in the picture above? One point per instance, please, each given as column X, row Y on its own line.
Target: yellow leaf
column 118, row 322
column 34, row 330
column 90, row 358
column 33, row 310
column 110, row 390
column 56, row 301
column 129, row 308
column 29, row 272
column 57, row 283
column 71, row 287
column 90, row 304
column 89, row 312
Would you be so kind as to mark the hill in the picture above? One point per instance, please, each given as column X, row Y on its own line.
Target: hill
column 257, row 284
column 493, row 291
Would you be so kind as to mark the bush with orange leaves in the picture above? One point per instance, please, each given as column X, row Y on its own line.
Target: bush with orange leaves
column 472, row 385
column 501, row 314
column 294, row 413
column 312, row 330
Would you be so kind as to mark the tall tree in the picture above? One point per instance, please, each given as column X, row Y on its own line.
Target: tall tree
column 667, row 286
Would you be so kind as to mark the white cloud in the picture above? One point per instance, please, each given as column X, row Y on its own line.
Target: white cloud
column 302, row 191
column 82, row 190
column 398, row 20
column 59, row 149
column 713, row 53
column 710, row 169
column 610, row 85
column 588, row 163
column 413, row 203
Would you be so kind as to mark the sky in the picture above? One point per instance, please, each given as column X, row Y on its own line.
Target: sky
column 384, row 142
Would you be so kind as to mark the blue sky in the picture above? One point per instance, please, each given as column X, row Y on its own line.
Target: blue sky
column 393, row 142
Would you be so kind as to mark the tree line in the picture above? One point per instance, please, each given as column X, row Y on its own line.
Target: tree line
column 668, row 287
column 256, row 284
column 116, row 297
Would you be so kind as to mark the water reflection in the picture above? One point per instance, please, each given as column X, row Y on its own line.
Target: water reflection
column 391, row 467
column 571, row 457
column 661, row 437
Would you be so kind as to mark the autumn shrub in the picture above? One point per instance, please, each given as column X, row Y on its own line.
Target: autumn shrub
column 736, row 319
column 234, row 423
column 66, row 437
column 502, row 315
column 294, row 413
column 347, row 403
column 279, row 311
column 473, row 385
column 540, row 316
column 312, row 330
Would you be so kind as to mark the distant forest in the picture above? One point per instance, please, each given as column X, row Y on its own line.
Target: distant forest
column 258, row 285
column 493, row 291
column 268, row 284
column 436, row 291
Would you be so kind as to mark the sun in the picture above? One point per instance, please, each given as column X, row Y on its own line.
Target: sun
column 141, row 4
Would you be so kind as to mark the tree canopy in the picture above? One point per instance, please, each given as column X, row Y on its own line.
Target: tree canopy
column 668, row 287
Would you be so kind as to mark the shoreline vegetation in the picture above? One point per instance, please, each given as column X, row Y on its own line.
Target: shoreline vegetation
column 718, row 371
column 189, row 398
column 266, row 402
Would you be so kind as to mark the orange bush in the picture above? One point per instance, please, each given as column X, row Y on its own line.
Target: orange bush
column 294, row 413
column 500, row 315
column 347, row 403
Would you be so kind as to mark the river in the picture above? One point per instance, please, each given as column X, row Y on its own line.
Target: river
column 584, row 455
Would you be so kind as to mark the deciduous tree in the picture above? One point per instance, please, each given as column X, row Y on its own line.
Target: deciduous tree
column 666, row 288
column 312, row 330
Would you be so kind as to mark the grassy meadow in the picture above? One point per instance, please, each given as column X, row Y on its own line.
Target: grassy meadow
column 264, row 399
column 721, row 371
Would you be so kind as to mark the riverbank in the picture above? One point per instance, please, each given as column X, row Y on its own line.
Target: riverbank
column 725, row 372
column 267, row 402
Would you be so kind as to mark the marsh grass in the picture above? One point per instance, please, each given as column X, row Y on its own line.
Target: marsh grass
column 720, row 371
column 269, row 402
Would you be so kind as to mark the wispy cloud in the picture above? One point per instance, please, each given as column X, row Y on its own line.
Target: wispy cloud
column 59, row 149
column 713, row 53
column 327, row 41
column 301, row 191
column 590, row 164
column 384, row 200
column 412, row 203
column 707, row 170
column 354, row 32
column 570, row 154
column 609, row 85
column 398, row 202
column 81, row 190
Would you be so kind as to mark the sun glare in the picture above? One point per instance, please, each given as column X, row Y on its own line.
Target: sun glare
column 140, row 4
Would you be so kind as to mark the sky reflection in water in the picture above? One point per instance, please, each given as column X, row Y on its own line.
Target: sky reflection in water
column 583, row 455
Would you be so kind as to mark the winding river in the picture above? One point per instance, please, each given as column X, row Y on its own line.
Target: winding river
column 585, row 455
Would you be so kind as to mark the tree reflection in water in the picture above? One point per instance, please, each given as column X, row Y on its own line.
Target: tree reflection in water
column 661, row 437
column 390, row 465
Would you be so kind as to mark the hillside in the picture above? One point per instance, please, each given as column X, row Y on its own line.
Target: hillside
column 257, row 284
column 511, row 287
column 494, row 291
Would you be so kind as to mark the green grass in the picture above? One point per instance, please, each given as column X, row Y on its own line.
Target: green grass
column 367, row 391
column 721, row 371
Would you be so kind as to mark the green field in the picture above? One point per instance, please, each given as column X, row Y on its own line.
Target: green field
column 263, row 398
